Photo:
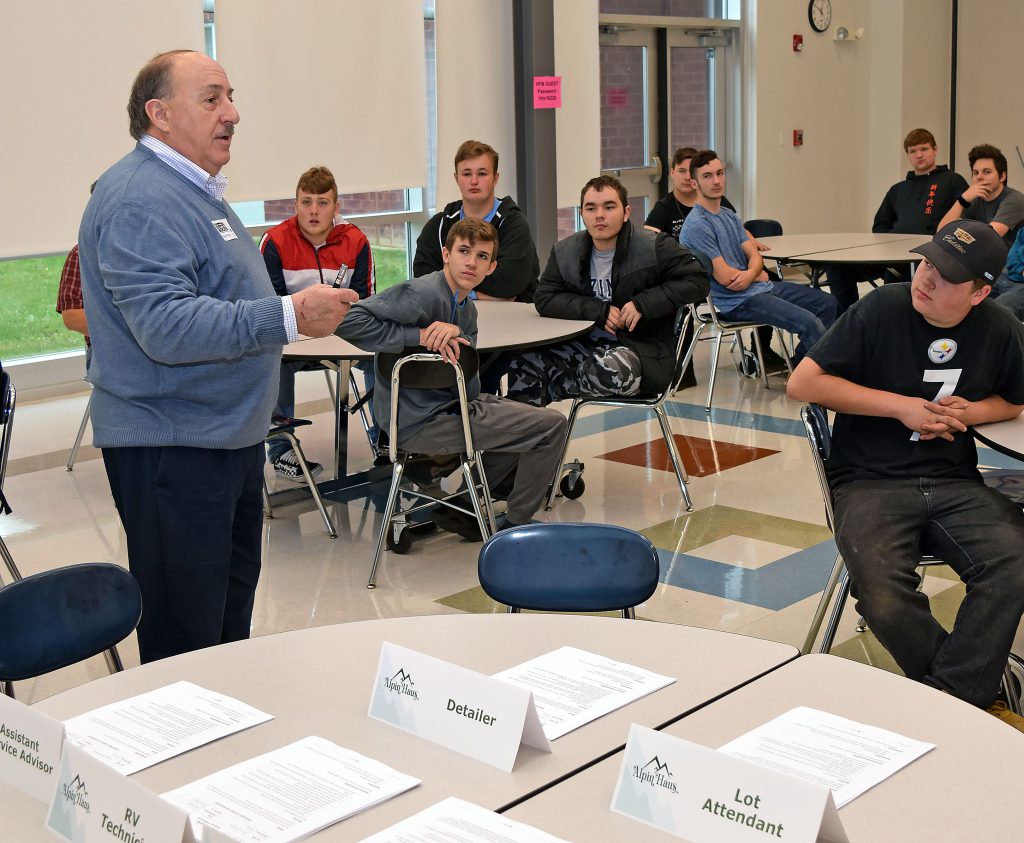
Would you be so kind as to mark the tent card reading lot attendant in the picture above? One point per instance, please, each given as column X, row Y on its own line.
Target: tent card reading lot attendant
column 476, row 715
column 710, row 797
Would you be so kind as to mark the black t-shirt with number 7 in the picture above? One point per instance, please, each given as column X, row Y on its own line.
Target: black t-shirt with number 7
column 883, row 343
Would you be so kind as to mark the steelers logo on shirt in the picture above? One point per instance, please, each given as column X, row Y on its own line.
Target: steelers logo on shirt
column 942, row 351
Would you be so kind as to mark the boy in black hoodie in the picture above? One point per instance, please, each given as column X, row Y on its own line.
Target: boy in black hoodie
column 912, row 206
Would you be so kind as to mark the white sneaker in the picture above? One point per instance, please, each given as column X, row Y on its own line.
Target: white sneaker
column 287, row 466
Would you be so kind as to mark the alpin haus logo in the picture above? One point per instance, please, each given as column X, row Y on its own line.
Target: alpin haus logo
column 401, row 683
column 76, row 794
column 655, row 774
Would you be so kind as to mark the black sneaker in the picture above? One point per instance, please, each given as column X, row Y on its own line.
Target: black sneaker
column 453, row 521
column 287, row 467
column 773, row 362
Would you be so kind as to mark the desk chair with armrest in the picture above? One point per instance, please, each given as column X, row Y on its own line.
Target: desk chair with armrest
column 815, row 421
column 56, row 618
column 569, row 568
column 706, row 318
column 412, row 474
column 571, row 485
column 8, row 398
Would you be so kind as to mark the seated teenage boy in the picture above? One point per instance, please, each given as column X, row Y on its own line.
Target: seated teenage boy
column 741, row 290
column 310, row 248
column 434, row 311
column 630, row 282
column 908, row 369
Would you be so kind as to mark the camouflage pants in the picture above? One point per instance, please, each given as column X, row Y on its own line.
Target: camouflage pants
column 583, row 368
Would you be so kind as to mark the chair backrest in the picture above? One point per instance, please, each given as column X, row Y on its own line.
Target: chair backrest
column 563, row 567
column 416, row 368
column 59, row 617
column 763, row 228
column 815, row 419
column 421, row 370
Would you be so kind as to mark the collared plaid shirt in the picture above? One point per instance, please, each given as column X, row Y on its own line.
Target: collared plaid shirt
column 69, row 293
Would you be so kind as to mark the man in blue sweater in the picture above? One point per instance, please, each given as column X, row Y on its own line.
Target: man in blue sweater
column 187, row 333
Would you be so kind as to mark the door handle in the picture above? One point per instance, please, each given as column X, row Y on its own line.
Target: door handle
column 656, row 175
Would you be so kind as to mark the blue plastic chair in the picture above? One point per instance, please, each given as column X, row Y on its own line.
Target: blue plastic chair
column 569, row 568
column 59, row 617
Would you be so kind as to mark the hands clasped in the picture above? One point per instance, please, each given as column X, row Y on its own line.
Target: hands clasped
column 626, row 317
column 940, row 419
column 320, row 309
column 443, row 337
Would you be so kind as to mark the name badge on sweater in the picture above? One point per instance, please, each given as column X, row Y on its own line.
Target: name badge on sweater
column 224, row 229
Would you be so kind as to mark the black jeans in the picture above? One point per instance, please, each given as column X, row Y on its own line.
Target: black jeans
column 881, row 526
column 194, row 522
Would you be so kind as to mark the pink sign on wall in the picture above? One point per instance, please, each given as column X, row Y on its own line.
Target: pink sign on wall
column 547, row 91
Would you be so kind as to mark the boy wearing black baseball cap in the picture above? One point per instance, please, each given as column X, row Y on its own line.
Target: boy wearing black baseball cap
column 908, row 369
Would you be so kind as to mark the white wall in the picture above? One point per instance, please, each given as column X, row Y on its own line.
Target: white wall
column 855, row 101
column 475, row 87
column 989, row 79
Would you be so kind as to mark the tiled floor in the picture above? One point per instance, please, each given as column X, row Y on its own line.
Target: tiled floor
column 751, row 558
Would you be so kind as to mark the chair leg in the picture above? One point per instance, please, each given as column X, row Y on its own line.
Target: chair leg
column 9, row 561
column 330, row 389
column 488, row 503
column 113, row 660
column 1013, row 679
column 824, row 600
column 268, row 510
column 81, row 433
column 314, row 491
column 629, row 613
column 385, row 525
column 673, row 453
column 480, row 512
column 837, row 612
column 714, row 371
column 8, row 689
column 573, row 412
column 760, row 358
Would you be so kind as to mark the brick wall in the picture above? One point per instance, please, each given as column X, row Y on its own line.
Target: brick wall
column 682, row 8
column 689, row 86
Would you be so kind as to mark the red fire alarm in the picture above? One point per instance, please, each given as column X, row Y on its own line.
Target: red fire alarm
column 798, row 137
column 798, row 43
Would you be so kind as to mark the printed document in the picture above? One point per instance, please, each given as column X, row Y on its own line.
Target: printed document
column 571, row 687
column 846, row 756
column 457, row 821
column 289, row 793
column 139, row 732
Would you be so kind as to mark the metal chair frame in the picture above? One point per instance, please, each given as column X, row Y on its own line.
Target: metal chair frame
column 575, row 573
column 705, row 317
column 8, row 400
column 815, row 423
column 287, row 431
column 656, row 403
column 441, row 374
column 73, row 456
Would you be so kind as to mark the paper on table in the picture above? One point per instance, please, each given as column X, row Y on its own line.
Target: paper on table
column 846, row 756
column 289, row 793
column 141, row 731
column 571, row 687
column 456, row 820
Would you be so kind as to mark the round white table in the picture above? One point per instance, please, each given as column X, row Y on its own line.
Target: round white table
column 318, row 681
column 501, row 326
column 1007, row 437
column 967, row 788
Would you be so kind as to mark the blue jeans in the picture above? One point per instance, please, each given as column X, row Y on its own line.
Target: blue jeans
column 804, row 311
column 881, row 528
column 1009, row 294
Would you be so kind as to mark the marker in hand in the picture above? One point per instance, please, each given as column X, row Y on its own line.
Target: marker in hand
column 342, row 270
